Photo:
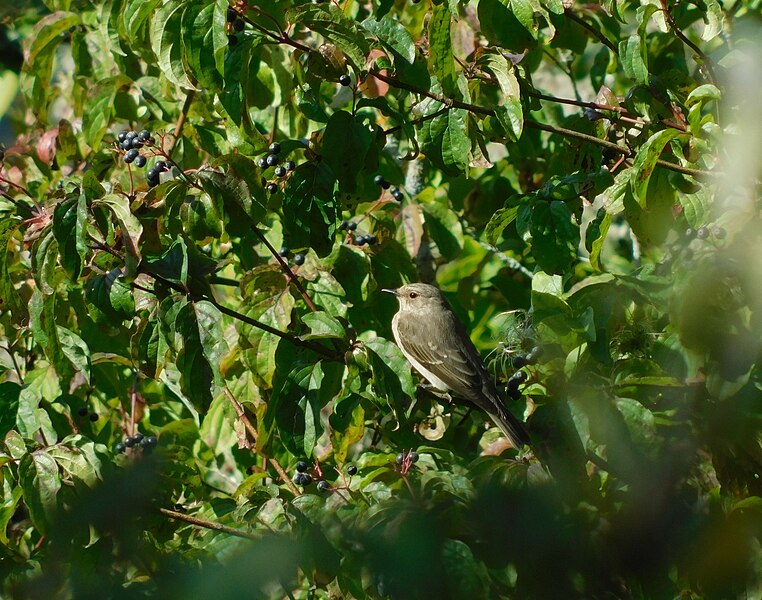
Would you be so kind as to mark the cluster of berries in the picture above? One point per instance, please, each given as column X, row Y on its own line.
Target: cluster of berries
column 303, row 478
column 522, row 360
column 236, row 24
column 85, row 412
column 703, row 233
column 272, row 159
column 396, row 193
column 360, row 239
column 131, row 142
column 409, row 457
column 298, row 258
column 146, row 443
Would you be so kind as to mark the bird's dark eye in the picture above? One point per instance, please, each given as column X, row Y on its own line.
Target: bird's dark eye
column 413, row 295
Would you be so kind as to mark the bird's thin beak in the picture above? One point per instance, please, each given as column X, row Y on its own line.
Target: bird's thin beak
column 390, row 291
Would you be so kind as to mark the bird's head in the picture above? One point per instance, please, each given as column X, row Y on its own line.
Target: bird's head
column 418, row 295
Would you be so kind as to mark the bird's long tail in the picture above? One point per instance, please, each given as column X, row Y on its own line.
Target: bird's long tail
column 513, row 429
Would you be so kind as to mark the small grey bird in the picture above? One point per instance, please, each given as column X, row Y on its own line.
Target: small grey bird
column 436, row 343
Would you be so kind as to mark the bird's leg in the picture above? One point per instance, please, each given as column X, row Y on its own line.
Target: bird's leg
column 428, row 389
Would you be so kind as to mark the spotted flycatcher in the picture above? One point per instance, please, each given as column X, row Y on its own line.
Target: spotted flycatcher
column 436, row 343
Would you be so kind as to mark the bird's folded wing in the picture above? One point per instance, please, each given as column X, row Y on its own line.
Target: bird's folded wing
column 441, row 352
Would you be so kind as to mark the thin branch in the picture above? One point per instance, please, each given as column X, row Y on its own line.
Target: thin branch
column 592, row 30
column 254, row 436
column 327, row 352
column 707, row 62
column 181, row 119
column 418, row 121
column 214, row 526
column 287, row 270
column 450, row 103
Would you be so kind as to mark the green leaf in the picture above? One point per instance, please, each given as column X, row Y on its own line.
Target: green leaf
column 9, row 402
column 206, row 43
column 333, row 25
column 444, row 138
column 109, row 298
column 500, row 219
column 713, row 18
column 298, row 401
column 322, row 325
column 440, row 50
column 392, row 380
column 10, row 300
column 75, row 350
column 633, row 55
column 444, row 227
column 393, row 35
column 595, row 236
column 200, row 352
column 645, row 161
column 167, row 42
column 346, row 142
column 554, row 235
column 267, row 298
column 130, row 228
column 40, row 482
column 70, row 229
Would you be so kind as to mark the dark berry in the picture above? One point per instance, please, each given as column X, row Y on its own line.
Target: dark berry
column 351, row 470
column 702, row 233
column 160, row 166
column 345, row 80
column 299, row 259
column 513, row 384
column 689, row 233
column 140, row 161
column 262, row 162
column 297, row 478
column 290, row 165
column 131, row 134
column 126, row 144
column 151, row 140
column 400, row 458
column 271, row 188
column 120, row 447
column 129, row 441
column 280, row 171
column 306, row 479
column 94, row 417
column 153, row 181
column 150, row 441
column 83, row 411
column 397, row 194
column 284, row 251
column 361, row 240
column 131, row 155
column 718, row 232
column 351, row 226
column 232, row 15
column 413, row 457
column 379, row 180
column 323, row 486
column 519, row 376
column 121, row 136
column 371, row 239
column 514, row 394
column 272, row 159
column 343, row 225
column 301, row 466
column 274, row 148
column 232, row 40
column 519, row 361
column 239, row 25
column 534, row 355
column 144, row 135
column 138, row 437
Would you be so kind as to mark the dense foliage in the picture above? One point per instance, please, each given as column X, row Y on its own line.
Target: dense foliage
column 200, row 205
